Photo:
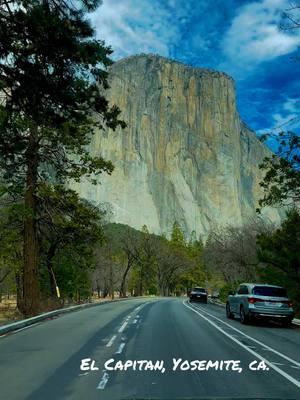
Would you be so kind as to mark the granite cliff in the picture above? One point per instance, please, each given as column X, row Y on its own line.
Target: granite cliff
column 185, row 155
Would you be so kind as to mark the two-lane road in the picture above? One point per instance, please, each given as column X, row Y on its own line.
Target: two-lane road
column 43, row 361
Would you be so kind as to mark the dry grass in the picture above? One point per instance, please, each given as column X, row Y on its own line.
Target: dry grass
column 8, row 311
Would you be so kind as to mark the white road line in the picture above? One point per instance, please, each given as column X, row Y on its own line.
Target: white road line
column 276, row 363
column 26, row 327
column 282, row 373
column 103, row 381
column 21, row 329
column 140, row 307
column 109, row 344
column 120, row 349
column 293, row 366
column 123, row 327
column 263, row 345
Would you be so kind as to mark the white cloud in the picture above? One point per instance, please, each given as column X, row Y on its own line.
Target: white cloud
column 292, row 105
column 254, row 35
column 286, row 116
column 136, row 26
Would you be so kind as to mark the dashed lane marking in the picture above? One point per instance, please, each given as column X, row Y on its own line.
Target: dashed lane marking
column 103, row 381
column 120, row 349
column 123, row 327
column 109, row 344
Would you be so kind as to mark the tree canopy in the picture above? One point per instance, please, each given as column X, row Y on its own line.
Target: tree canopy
column 281, row 183
column 53, row 74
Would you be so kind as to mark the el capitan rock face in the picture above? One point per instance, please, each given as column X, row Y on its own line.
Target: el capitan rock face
column 185, row 154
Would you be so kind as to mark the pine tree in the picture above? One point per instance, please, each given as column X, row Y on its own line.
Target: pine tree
column 52, row 76
column 177, row 236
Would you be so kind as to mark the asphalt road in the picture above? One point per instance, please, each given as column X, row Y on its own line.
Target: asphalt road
column 43, row 362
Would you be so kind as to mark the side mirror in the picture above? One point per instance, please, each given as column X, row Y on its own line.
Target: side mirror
column 231, row 293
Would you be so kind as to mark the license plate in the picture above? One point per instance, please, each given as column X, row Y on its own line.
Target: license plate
column 198, row 295
column 273, row 304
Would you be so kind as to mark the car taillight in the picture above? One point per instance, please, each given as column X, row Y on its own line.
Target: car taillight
column 289, row 303
column 253, row 300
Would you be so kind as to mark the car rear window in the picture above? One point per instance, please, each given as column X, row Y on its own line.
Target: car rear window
column 199, row 290
column 269, row 291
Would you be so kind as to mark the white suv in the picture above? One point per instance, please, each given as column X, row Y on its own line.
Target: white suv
column 255, row 300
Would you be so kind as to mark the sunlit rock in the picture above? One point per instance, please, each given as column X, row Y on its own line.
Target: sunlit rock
column 185, row 155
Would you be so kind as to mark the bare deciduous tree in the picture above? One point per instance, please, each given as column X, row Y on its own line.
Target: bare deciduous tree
column 232, row 252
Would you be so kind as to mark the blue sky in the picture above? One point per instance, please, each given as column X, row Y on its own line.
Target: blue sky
column 240, row 37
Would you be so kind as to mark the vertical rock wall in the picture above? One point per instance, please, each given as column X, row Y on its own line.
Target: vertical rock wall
column 185, row 154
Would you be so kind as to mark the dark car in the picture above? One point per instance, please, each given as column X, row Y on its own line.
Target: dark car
column 198, row 294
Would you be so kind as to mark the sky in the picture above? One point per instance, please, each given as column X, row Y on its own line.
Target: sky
column 247, row 39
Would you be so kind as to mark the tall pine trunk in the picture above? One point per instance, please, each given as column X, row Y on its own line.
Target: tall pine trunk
column 50, row 255
column 19, row 287
column 31, row 287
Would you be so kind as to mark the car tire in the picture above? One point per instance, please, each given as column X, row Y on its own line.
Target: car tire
column 286, row 323
column 229, row 314
column 243, row 317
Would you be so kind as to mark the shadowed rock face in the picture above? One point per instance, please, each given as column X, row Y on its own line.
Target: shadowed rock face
column 185, row 154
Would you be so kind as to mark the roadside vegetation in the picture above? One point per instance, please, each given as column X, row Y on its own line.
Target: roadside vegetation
column 257, row 253
column 87, row 259
column 138, row 263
